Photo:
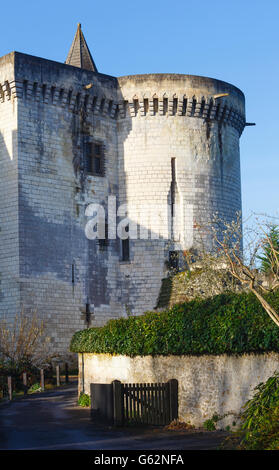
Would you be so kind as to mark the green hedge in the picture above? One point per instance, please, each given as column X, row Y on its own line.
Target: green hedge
column 227, row 323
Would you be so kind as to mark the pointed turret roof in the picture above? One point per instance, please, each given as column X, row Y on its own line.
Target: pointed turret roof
column 79, row 54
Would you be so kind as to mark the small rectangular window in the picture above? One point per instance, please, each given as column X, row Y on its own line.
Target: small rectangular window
column 94, row 158
column 126, row 250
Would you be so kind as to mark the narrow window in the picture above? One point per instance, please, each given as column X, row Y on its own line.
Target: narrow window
column 77, row 103
column 145, row 106
column 155, row 105
column 94, row 163
column 165, row 105
column 173, row 179
column 69, row 97
column 184, row 107
column 194, row 103
column 102, row 104
column 125, row 249
column 136, row 106
column 175, row 104
column 125, row 108
column 85, row 103
column 109, row 107
column 94, row 102
column 202, row 106
column 25, row 89
column 73, row 273
column 217, row 110
column 210, row 108
column 116, row 112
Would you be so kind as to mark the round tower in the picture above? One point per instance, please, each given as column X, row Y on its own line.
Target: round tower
column 179, row 157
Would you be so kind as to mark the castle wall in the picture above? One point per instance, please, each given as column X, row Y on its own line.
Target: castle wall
column 9, row 236
column 166, row 141
column 176, row 117
column 60, row 269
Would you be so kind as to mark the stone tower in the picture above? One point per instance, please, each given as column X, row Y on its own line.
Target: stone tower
column 166, row 145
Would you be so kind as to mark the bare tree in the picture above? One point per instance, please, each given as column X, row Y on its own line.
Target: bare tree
column 23, row 341
column 228, row 239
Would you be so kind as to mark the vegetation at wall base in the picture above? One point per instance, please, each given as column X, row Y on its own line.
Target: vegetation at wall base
column 84, row 400
column 228, row 323
column 260, row 420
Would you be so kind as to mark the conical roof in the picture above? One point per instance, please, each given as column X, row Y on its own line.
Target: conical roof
column 79, row 54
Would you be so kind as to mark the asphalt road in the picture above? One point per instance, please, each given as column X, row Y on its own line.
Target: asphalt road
column 52, row 420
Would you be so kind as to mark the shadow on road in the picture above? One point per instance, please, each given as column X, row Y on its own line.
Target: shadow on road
column 52, row 420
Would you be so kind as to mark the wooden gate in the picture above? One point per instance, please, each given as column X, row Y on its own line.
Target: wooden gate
column 145, row 403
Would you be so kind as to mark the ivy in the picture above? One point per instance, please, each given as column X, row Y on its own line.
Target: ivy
column 229, row 323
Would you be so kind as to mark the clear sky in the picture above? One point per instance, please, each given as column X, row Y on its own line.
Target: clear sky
column 233, row 40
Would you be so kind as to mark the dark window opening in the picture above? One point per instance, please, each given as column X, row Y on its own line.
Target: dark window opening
column 174, row 260
column 184, row 107
column 146, row 106
column 173, row 179
column 125, row 108
column 85, row 103
column 126, row 250
column 165, row 105
column 24, row 89
column 217, row 110
column 110, row 107
column 136, row 106
column 94, row 102
column 175, row 105
column 69, row 97
column 94, row 158
column 155, row 105
column 116, row 112
column 102, row 105
column 202, row 106
column 210, row 109
column 193, row 110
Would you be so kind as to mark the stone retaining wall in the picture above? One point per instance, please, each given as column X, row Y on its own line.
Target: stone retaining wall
column 207, row 384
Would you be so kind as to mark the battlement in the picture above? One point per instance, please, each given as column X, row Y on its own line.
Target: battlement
column 207, row 109
column 77, row 100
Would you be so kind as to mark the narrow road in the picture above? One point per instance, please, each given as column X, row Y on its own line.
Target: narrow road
column 52, row 420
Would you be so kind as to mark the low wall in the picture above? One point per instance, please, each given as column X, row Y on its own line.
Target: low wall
column 207, row 384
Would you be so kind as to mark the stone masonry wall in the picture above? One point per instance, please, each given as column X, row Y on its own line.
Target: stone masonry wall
column 206, row 384
column 60, row 269
column 9, row 237
column 47, row 112
column 174, row 117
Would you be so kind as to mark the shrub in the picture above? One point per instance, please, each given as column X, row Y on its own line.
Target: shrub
column 228, row 323
column 260, row 420
column 84, row 400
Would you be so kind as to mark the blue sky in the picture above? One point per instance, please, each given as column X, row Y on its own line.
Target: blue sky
column 236, row 41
